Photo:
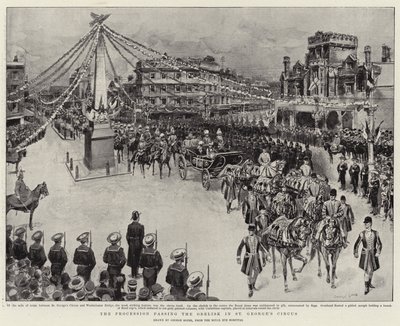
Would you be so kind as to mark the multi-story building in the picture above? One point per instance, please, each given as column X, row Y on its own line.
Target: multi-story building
column 328, row 84
column 16, row 112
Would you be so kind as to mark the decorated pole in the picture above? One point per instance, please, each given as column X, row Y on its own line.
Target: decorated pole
column 186, row 256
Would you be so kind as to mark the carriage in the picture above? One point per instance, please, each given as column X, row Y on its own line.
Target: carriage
column 210, row 166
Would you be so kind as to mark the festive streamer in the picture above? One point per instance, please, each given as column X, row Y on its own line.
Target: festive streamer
column 82, row 39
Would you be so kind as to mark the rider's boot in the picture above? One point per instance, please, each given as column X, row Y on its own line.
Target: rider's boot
column 250, row 290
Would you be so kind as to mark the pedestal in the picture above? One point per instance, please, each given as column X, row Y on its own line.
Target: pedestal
column 99, row 147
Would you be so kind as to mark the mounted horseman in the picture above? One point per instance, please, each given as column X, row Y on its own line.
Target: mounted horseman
column 162, row 154
column 24, row 199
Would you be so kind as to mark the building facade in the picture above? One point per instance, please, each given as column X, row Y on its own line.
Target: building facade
column 328, row 89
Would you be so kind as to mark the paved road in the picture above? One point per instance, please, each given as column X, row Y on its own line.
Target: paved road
column 182, row 211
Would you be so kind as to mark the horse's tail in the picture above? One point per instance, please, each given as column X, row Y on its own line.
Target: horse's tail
column 313, row 251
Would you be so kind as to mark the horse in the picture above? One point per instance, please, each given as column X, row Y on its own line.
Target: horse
column 328, row 241
column 142, row 157
column 12, row 202
column 175, row 148
column 289, row 237
column 162, row 156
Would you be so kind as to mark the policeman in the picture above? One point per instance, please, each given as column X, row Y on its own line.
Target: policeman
column 84, row 257
column 177, row 275
column 36, row 254
column 150, row 260
column 57, row 257
column 9, row 245
column 134, row 237
column 342, row 168
column 19, row 246
column 114, row 256
column 354, row 172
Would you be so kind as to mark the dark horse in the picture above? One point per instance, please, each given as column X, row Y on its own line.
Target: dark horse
column 12, row 202
column 162, row 157
column 329, row 242
column 289, row 237
column 142, row 157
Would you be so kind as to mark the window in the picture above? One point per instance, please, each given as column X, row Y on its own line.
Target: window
column 163, row 76
column 178, row 101
column 178, row 75
column 164, row 101
column 163, row 88
column 190, row 101
column 152, row 101
column 15, row 75
column 348, row 88
column 152, row 75
column 189, row 88
column 152, row 88
column 190, row 75
column 177, row 88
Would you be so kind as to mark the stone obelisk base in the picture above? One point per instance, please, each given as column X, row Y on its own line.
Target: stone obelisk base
column 99, row 147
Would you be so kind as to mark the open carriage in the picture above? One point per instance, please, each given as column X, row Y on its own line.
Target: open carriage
column 210, row 166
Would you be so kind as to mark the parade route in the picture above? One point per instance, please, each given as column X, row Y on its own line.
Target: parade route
column 183, row 212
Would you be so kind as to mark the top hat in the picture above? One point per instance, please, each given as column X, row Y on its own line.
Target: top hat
column 251, row 227
column 132, row 285
column 333, row 192
column 114, row 237
column 206, row 132
column 83, row 237
column 313, row 175
column 149, row 239
column 178, row 254
column 194, row 279
column 57, row 237
column 367, row 219
column 130, row 296
column 37, row 236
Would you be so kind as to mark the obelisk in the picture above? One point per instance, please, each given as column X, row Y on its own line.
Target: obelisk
column 99, row 144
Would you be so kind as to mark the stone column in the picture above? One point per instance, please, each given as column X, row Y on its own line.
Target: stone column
column 100, row 85
column 292, row 118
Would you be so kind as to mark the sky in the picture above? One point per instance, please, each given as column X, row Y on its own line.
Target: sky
column 252, row 40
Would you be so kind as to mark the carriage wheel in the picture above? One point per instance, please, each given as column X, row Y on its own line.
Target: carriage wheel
column 182, row 167
column 205, row 179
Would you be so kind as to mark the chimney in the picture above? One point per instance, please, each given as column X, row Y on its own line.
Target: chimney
column 367, row 52
column 385, row 53
column 286, row 65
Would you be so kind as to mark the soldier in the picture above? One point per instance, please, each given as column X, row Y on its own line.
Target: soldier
column 371, row 249
column 207, row 139
column 177, row 275
column 84, row 257
column 364, row 179
column 332, row 209
column 134, row 237
column 157, row 292
column 114, row 256
column 194, row 283
column 342, row 168
column 19, row 245
column 228, row 189
column 374, row 186
column 22, row 192
column 261, row 221
column 9, row 245
column 147, row 134
column 251, row 262
column 264, row 157
column 36, row 254
column 58, row 258
column 150, row 260
column 348, row 217
column 354, row 172
column 250, row 206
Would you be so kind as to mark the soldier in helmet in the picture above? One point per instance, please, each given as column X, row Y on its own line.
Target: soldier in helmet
column 36, row 254
column 177, row 275
column 150, row 260
column 58, row 258
column 134, row 237
column 84, row 257
column 19, row 246
column 114, row 256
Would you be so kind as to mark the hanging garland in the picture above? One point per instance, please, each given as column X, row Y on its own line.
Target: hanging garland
column 34, row 80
